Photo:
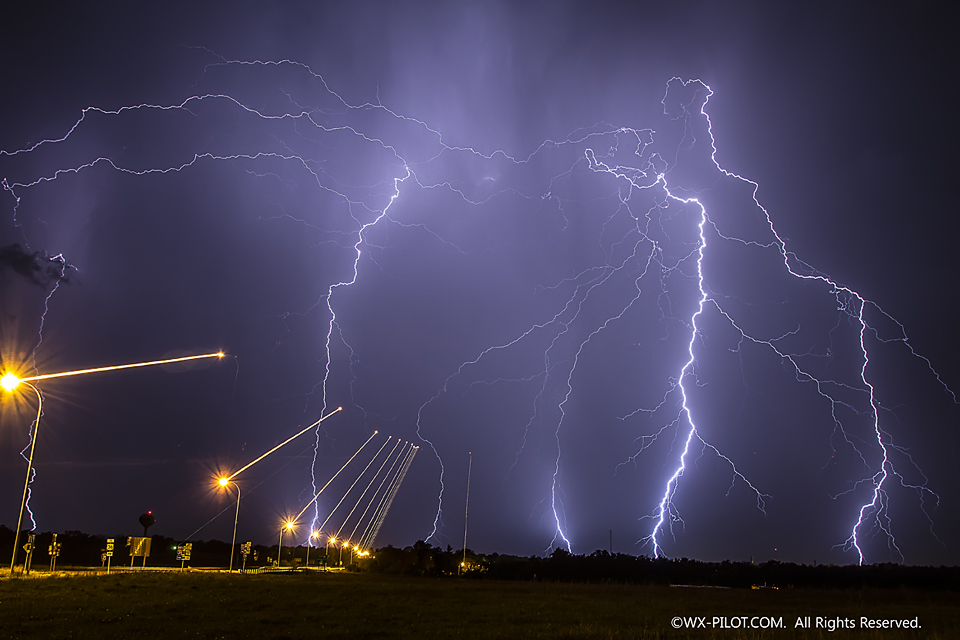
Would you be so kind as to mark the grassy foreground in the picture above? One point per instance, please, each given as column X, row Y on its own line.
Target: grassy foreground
column 336, row 605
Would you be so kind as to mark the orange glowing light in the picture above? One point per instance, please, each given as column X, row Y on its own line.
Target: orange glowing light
column 293, row 437
column 223, row 482
column 9, row 381
column 79, row 372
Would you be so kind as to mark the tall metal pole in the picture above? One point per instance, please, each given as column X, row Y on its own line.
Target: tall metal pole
column 235, row 519
column 466, row 510
column 26, row 484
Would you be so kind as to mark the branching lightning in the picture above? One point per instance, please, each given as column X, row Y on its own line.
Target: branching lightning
column 660, row 242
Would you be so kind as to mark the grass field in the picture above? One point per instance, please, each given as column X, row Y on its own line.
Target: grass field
column 339, row 605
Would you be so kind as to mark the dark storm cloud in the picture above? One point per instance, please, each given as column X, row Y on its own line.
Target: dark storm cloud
column 36, row 267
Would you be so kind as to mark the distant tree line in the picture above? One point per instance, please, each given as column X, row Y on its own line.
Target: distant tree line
column 82, row 550
column 604, row 567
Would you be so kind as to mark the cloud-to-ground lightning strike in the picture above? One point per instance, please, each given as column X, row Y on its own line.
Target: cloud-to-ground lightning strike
column 874, row 512
column 655, row 274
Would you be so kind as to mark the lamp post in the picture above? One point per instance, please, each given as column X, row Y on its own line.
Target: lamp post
column 314, row 536
column 224, row 482
column 9, row 383
column 331, row 541
column 288, row 525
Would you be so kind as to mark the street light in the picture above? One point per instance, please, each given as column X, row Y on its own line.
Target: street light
column 331, row 541
column 9, row 382
column 288, row 525
column 224, row 482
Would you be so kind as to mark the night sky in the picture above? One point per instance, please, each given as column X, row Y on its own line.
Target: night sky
column 514, row 177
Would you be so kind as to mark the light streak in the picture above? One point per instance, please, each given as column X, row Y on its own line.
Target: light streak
column 389, row 475
column 226, row 479
column 9, row 378
column 302, row 511
column 380, row 513
column 350, row 488
column 367, row 488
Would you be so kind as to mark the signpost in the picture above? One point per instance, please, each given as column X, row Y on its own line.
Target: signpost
column 183, row 553
column 245, row 550
column 54, row 551
column 108, row 554
column 29, row 549
column 139, row 547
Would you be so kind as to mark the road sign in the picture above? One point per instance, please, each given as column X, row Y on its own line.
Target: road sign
column 139, row 546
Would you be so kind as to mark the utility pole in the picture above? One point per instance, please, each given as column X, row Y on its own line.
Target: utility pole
column 466, row 511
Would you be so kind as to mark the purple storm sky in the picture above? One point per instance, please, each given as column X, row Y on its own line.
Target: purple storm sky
column 529, row 275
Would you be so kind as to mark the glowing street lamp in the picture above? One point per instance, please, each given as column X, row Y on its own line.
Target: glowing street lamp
column 224, row 482
column 9, row 382
column 331, row 541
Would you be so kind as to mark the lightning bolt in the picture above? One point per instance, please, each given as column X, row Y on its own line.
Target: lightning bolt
column 875, row 511
column 659, row 241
